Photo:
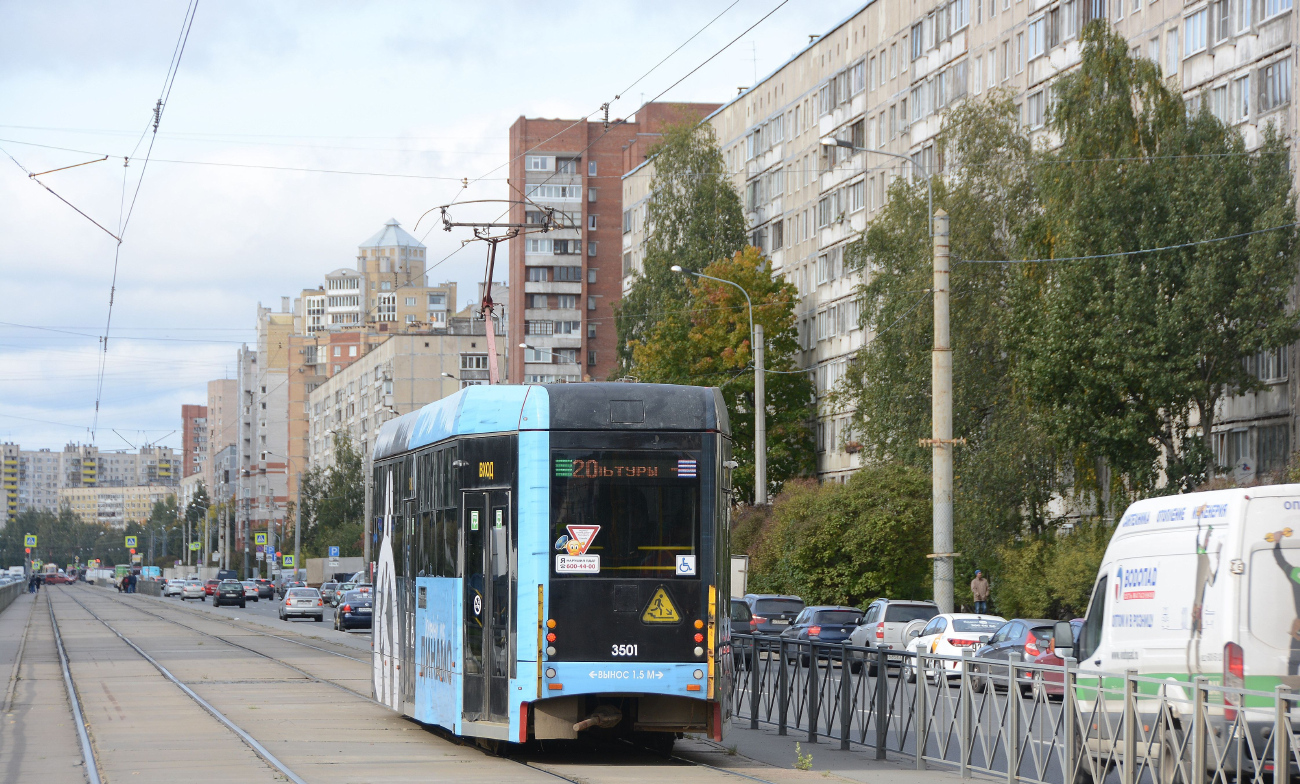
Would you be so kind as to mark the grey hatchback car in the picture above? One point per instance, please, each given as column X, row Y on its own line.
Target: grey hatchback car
column 302, row 603
column 772, row 613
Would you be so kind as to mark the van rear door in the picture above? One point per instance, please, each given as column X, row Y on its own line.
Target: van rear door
column 1269, row 630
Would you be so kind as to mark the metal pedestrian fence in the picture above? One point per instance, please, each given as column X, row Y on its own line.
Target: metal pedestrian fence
column 1021, row 722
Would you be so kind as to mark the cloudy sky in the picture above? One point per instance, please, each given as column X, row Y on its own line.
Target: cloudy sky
column 423, row 90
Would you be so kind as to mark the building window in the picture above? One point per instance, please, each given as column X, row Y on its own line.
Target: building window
column 1171, row 52
column 473, row 362
column 591, row 168
column 1241, row 99
column 410, row 302
column 591, row 276
column 591, row 358
column 538, row 274
column 591, row 331
column 1035, row 104
column 591, row 303
column 1243, row 15
column 591, row 222
column 1194, row 33
column 387, row 308
column 567, row 301
column 538, row 327
column 1037, row 37
column 1275, row 7
column 1275, row 89
column 536, row 300
column 1274, row 447
column 437, row 300
column 410, row 318
column 568, row 274
column 566, row 166
column 538, row 162
column 352, row 351
column 591, row 248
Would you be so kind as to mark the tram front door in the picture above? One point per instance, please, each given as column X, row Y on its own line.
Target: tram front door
column 487, row 615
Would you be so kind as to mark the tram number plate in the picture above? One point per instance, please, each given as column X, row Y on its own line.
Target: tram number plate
column 622, row 650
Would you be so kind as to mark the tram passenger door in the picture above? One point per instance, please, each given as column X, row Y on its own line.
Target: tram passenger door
column 487, row 605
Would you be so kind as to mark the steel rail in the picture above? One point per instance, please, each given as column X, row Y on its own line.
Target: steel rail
column 87, row 752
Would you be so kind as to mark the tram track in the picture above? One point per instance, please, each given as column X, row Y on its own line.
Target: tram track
column 553, row 769
column 18, row 662
column 78, row 717
column 221, row 717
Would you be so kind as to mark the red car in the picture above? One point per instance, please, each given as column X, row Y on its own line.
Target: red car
column 210, row 587
column 1051, row 680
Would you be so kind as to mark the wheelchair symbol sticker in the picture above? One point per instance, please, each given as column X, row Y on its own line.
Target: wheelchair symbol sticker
column 685, row 566
column 478, row 604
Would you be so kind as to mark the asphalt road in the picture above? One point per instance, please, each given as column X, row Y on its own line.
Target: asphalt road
column 267, row 612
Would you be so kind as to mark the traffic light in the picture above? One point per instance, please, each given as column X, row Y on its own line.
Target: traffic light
column 277, row 553
column 27, row 550
column 132, row 551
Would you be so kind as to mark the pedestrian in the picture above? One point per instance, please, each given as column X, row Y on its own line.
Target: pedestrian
column 130, row 585
column 31, row 584
column 979, row 588
column 39, row 580
column 121, row 584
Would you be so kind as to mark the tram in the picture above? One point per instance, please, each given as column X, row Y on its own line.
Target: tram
column 553, row 560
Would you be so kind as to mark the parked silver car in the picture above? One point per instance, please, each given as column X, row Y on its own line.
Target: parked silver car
column 193, row 589
column 886, row 625
column 173, row 587
column 302, row 603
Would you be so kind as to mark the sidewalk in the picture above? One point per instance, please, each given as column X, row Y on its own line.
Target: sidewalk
column 765, row 746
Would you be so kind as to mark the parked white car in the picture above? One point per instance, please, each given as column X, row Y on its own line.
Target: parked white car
column 173, row 587
column 948, row 634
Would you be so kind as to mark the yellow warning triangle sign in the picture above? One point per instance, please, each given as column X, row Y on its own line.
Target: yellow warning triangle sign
column 660, row 609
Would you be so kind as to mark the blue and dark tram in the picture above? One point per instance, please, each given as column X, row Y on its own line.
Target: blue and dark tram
column 554, row 560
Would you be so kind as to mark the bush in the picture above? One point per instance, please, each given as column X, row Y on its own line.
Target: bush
column 1050, row 576
column 843, row 543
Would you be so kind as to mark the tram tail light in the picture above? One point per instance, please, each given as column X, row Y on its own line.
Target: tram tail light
column 550, row 637
column 699, row 637
column 814, row 631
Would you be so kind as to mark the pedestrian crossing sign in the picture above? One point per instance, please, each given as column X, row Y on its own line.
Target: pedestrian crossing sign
column 288, row 561
column 259, row 538
column 131, row 541
column 29, row 540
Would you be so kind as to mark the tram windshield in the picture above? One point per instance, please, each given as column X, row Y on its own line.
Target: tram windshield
column 625, row 513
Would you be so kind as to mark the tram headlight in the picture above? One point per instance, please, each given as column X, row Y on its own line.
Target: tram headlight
column 550, row 650
column 698, row 673
column 699, row 651
column 550, row 672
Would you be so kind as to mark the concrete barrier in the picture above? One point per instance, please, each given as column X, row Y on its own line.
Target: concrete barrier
column 11, row 592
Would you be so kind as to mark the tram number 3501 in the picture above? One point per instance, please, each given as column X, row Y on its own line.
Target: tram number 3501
column 622, row 650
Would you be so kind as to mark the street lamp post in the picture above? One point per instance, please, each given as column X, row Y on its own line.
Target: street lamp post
column 760, row 391
column 941, row 442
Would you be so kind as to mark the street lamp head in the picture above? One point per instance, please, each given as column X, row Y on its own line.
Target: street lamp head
column 676, row 268
column 448, row 375
column 831, row 141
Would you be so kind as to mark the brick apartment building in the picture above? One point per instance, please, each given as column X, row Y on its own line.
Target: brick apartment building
column 194, row 437
column 564, row 283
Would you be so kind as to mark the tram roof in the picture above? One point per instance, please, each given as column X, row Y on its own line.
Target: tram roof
column 587, row 406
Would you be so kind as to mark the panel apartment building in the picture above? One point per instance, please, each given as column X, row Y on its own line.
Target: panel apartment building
column 564, row 283
column 882, row 79
column 35, row 478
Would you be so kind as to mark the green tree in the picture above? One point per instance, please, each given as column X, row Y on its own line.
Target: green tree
column 62, row 538
column 844, row 543
column 694, row 217
column 1130, row 355
column 710, row 344
column 168, row 533
column 1006, row 471
column 333, row 501
column 1049, row 575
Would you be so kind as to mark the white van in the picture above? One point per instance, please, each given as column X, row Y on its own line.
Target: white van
column 1202, row 584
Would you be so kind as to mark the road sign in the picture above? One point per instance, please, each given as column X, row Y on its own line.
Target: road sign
column 334, row 562
column 288, row 561
column 259, row 538
column 29, row 540
column 131, row 541
column 194, row 545
column 334, row 552
column 261, row 556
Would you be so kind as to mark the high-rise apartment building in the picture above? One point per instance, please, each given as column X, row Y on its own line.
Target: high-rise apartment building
column 34, row 478
column 194, row 439
column 564, row 283
column 114, row 506
column 223, row 422
column 882, row 78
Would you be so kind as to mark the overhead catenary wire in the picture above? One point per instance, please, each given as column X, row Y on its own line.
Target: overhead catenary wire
column 1118, row 254
column 169, row 81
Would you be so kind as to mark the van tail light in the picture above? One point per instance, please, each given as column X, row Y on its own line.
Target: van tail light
column 814, row 631
column 1234, row 677
column 1031, row 645
column 880, row 630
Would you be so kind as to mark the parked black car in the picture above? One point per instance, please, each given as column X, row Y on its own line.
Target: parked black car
column 772, row 613
column 830, row 624
column 228, row 592
column 355, row 609
column 1017, row 640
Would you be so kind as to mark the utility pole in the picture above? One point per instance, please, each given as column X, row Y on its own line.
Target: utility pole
column 760, row 421
column 941, row 421
column 297, row 528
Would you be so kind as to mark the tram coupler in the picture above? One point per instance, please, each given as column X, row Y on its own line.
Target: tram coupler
column 604, row 716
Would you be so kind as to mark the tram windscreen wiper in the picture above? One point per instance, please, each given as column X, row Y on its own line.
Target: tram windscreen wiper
column 625, row 513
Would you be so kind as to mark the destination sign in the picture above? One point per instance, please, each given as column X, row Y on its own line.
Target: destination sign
column 669, row 467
